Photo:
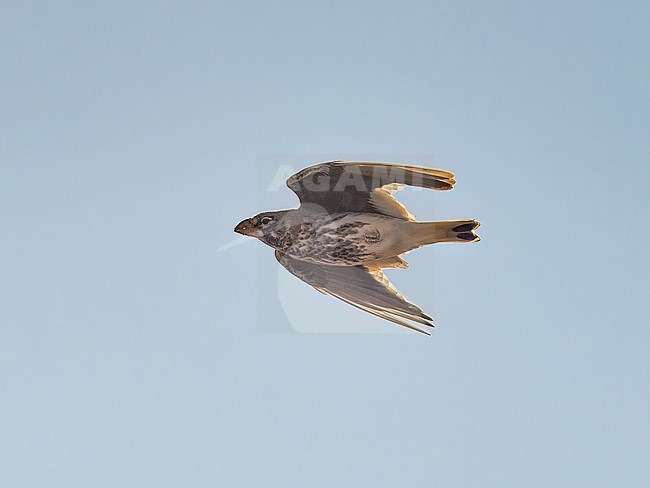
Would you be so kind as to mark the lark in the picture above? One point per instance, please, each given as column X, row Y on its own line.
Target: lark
column 349, row 227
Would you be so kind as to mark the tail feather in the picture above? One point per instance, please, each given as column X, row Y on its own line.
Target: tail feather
column 446, row 231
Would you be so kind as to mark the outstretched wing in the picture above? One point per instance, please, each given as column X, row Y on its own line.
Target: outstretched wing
column 364, row 287
column 339, row 186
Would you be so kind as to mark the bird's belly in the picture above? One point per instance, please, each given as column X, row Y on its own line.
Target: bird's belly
column 349, row 241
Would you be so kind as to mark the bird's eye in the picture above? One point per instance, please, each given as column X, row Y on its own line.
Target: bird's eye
column 266, row 220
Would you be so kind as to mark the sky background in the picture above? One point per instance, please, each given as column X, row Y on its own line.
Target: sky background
column 135, row 135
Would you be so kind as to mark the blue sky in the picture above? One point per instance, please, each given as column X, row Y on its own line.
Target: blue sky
column 134, row 136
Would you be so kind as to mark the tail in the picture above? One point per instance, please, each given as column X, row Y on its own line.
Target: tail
column 445, row 231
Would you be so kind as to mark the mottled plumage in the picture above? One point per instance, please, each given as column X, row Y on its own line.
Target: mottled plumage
column 348, row 227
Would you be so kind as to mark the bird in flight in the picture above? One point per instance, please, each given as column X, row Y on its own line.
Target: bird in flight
column 349, row 227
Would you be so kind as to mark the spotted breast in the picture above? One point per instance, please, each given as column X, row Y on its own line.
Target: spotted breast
column 343, row 239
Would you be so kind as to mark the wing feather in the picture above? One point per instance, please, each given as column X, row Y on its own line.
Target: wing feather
column 364, row 186
column 362, row 287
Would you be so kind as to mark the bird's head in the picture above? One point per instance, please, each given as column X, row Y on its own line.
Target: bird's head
column 260, row 226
